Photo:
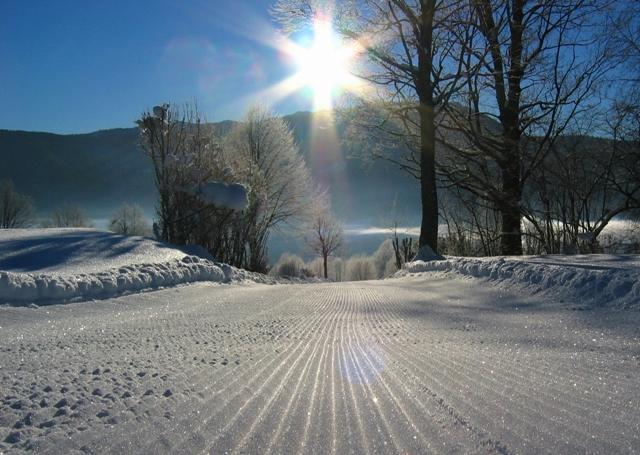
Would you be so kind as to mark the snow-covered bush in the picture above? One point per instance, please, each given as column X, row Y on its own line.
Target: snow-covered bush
column 337, row 272
column 384, row 259
column 360, row 268
column 315, row 266
column 290, row 266
column 68, row 215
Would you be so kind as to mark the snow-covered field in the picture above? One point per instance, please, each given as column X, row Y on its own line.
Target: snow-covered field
column 43, row 266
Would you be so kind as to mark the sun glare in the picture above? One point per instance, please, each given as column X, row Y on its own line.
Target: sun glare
column 325, row 65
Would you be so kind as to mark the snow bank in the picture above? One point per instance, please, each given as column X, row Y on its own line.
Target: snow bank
column 58, row 265
column 53, row 288
column 586, row 282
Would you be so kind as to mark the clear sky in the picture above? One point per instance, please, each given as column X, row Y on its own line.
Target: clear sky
column 77, row 66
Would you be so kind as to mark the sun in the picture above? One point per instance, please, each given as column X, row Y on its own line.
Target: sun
column 326, row 65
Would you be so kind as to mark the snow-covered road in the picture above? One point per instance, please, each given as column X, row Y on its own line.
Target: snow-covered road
column 430, row 364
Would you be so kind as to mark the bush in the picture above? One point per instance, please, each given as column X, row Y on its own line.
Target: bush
column 337, row 269
column 384, row 259
column 289, row 266
column 360, row 268
column 316, row 267
column 16, row 210
column 129, row 220
column 68, row 215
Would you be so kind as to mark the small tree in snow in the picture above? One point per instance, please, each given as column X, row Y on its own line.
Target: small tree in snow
column 326, row 233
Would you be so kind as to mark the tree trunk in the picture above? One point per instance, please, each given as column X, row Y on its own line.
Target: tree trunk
column 324, row 263
column 424, row 89
column 428, row 191
column 511, row 237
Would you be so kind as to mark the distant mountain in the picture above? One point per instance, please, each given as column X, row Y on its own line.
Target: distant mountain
column 101, row 170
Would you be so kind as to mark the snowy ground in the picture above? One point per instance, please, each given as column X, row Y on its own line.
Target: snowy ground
column 73, row 251
column 429, row 363
column 467, row 355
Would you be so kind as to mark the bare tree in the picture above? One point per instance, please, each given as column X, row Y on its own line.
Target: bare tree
column 16, row 210
column 472, row 225
column 624, row 36
column 69, row 215
column 185, row 153
column 414, row 65
column 326, row 233
column 129, row 219
column 532, row 68
column 584, row 183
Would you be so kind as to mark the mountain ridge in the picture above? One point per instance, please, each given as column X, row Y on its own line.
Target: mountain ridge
column 101, row 169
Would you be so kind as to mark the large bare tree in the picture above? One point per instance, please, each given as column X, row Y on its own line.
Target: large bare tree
column 531, row 69
column 413, row 63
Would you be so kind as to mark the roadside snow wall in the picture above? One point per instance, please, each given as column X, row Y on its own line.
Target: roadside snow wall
column 40, row 288
column 598, row 287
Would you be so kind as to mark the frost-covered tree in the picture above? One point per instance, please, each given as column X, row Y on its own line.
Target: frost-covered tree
column 16, row 210
column 257, row 166
column 129, row 219
column 263, row 151
column 325, row 232
column 384, row 259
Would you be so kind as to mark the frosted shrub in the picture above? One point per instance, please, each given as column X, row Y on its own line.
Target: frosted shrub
column 289, row 265
column 383, row 256
column 360, row 268
column 337, row 269
column 316, row 267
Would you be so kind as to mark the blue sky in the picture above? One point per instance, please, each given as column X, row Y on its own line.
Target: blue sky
column 78, row 66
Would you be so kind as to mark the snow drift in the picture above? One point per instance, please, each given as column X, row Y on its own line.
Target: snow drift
column 52, row 288
column 57, row 265
column 593, row 280
column 73, row 251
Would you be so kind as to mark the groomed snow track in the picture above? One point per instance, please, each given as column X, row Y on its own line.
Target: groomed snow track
column 400, row 366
